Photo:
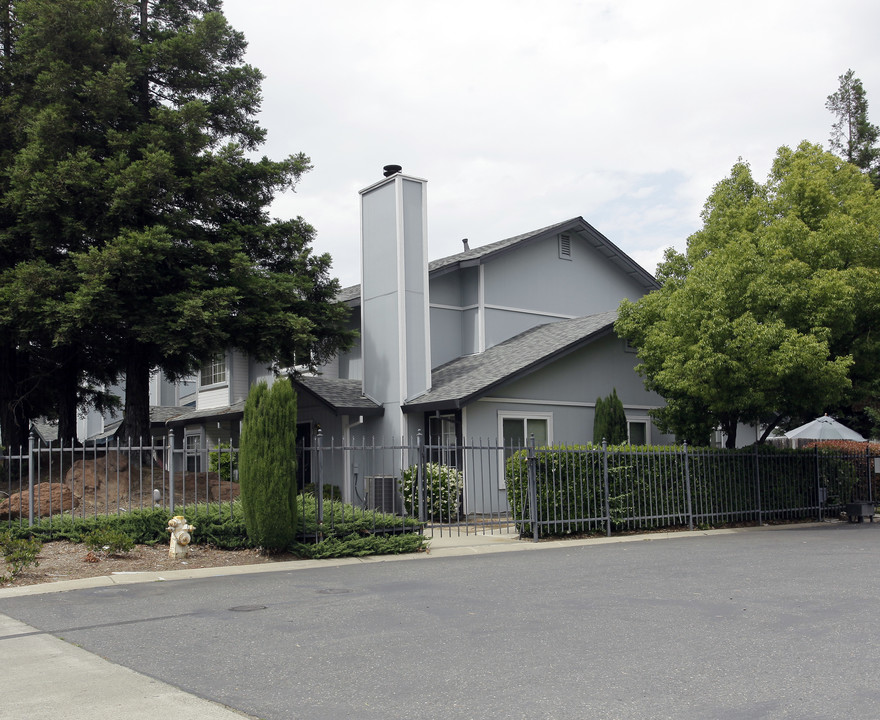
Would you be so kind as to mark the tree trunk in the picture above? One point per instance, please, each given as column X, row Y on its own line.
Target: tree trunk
column 769, row 429
column 14, row 418
column 728, row 427
column 136, row 420
column 67, row 384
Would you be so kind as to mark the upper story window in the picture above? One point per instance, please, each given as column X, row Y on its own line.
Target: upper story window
column 214, row 371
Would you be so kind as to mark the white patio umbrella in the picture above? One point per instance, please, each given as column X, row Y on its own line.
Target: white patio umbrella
column 824, row 428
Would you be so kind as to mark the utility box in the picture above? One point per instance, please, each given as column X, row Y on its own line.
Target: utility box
column 858, row 511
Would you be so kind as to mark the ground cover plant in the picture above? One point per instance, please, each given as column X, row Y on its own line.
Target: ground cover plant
column 18, row 553
column 346, row 530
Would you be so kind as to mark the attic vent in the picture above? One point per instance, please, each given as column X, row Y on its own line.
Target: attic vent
column 565, row 247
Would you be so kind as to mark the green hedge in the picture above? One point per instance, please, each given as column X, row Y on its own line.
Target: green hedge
column 647, row 487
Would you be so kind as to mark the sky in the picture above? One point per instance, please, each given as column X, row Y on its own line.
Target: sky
column 522, row 114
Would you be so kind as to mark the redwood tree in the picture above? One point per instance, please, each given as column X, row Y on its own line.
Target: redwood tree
column 129, row 173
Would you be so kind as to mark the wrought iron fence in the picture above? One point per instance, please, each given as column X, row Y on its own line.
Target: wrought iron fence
column 476, row 487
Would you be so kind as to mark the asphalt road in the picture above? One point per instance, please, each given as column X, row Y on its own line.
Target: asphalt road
column 759, row 624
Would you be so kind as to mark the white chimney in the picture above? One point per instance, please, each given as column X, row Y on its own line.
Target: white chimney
column 395, row 330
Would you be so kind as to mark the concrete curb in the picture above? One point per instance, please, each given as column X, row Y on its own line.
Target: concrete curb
column 441, row 547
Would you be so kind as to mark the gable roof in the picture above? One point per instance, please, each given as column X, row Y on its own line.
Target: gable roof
column 578, row 225
column 183, row 416
column 465, row 379
column 343, row 397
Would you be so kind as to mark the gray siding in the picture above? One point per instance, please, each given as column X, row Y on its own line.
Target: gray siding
column 535, row 280
column 350, row 365
column 447, row 334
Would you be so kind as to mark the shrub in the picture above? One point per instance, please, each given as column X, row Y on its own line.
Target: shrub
column 329, row 491
column 267, row 465
column 355, row 545
column 442, row 491
column 221, row 525
column 18, row 553
column 223, row 461
column 568, row 484
column 111, row 541
column 609, row 422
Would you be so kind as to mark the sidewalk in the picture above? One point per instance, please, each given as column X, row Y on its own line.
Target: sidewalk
column 46, row 678
column 78, row 685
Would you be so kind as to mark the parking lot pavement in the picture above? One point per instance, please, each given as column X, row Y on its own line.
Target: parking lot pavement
column 758, row 623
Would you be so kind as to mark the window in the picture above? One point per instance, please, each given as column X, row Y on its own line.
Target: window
column 193, row 452
column 637, row 430
column 443, row 440
column 214, row 371
column 515, row 430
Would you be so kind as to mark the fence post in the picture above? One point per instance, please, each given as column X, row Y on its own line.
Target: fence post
column 319, row 494
column 532, row 463
column 171, row 469
column 420, row 477
column 758, row 485
column 31, row 464
column 819, row 486
column 605, row 487
column 868, row 473
column 687, row 484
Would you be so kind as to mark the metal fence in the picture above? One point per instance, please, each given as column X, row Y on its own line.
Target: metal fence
column 592, row 489
column 474, row 487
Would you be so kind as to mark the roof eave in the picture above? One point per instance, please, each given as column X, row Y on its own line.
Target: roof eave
column 460, row 402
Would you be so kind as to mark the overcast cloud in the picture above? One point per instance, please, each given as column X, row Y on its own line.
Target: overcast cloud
column 522, row 114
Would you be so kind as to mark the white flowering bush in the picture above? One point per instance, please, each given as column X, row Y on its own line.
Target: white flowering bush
column 442, row 493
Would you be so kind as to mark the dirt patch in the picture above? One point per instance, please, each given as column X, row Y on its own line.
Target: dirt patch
column 61, row 560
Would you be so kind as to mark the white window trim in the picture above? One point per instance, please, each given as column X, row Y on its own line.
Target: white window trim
column 198, row 453
column 522, row 415
column 226, row 371
column 639, row 419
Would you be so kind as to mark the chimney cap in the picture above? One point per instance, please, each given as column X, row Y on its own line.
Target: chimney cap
column 391, row 170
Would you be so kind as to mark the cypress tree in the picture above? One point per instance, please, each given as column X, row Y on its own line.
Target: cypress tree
column 600, row 421
column 610, row 420
column 616, row 419
column 267, row 465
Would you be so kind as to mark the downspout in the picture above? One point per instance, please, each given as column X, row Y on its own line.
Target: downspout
column 349, row 490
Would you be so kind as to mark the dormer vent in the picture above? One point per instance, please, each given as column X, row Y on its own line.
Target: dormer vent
column 565, row 247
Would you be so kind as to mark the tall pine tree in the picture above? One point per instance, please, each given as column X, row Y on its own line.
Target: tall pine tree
column 130, row 179
column 853, row 136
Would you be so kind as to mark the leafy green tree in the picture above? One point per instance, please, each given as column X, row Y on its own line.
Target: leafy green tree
column 130, row 182
column 853, row 136
column 768, row 315
column 267, row 465
column 609, row 422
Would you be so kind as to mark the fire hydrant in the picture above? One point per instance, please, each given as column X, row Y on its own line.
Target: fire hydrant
column 180, row 536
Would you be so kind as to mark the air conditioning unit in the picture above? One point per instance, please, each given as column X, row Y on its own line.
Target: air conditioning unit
column 382, row 493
